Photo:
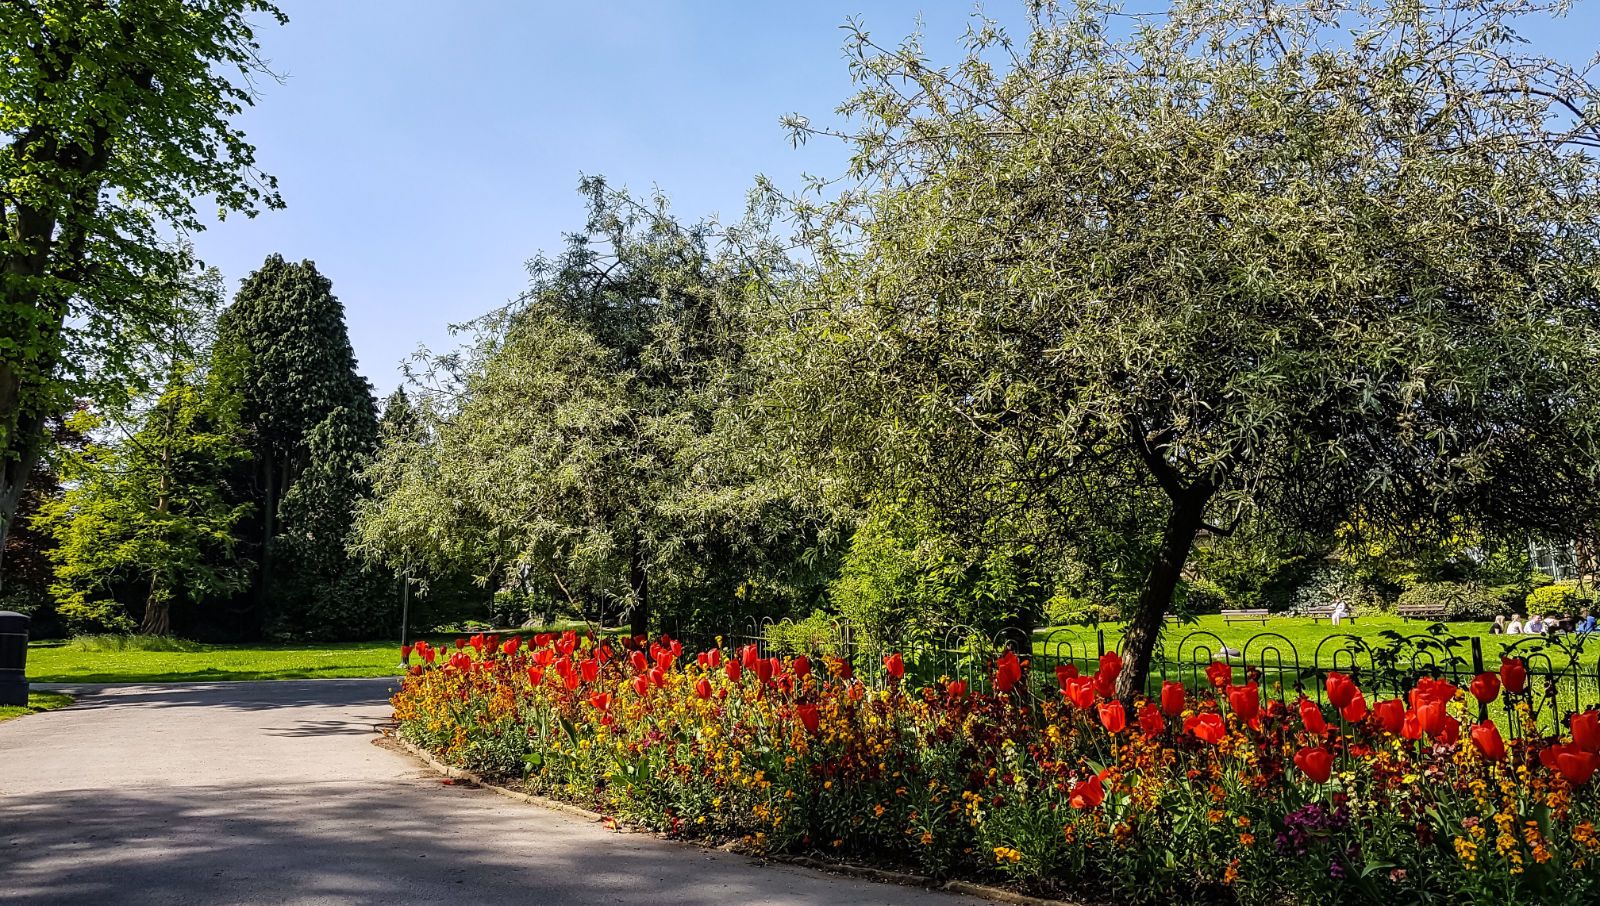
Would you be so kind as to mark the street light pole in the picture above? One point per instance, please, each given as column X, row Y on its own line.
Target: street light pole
column 405, row 616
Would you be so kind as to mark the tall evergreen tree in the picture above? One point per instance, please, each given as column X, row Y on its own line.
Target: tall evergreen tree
column 310, row 420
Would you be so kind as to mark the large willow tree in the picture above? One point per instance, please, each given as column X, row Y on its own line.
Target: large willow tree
column 1135, row 279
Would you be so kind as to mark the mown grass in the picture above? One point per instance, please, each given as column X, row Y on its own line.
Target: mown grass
column 37, row 701
column 101, row 660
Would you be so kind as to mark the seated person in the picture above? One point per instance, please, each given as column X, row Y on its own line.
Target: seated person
column 1585, row 622
column 1515, row 626
column 1534, row 626
column 1499, row 626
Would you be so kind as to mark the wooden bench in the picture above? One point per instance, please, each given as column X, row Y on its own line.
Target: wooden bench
column 1420, row 612
column 1246, row 616
column 1326, row 613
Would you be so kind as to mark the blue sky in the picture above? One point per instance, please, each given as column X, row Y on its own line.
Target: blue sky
column 427, row 150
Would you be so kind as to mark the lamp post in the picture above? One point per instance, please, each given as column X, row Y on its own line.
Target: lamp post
column 405, row 618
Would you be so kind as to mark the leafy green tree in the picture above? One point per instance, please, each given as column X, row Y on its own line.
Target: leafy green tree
column 588, row 445
column 1311, row 263
column 116, row 117
column 310, row 423
column 149, row 508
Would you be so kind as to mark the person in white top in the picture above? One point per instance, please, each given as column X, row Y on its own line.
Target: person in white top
column 1534, row 626
column 1339, row 611
column 1515, row 626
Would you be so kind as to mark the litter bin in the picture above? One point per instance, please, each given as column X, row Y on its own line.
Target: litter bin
column 13, row 658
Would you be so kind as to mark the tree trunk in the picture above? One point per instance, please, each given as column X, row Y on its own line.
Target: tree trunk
column 157, row 614
column 269, row 509
column 14, row 473
column 1144, row 629
column 639, row 581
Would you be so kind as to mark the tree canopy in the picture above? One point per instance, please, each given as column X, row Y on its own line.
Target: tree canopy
column 117, row 117
column 1133, row 280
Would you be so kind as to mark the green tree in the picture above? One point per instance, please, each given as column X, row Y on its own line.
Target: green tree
column 310, row 423
column 588, row 445
column 1311, row 263
column 149, row 508
column 116, row 116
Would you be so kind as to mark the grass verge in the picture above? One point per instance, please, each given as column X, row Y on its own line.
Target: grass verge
column 37, row 701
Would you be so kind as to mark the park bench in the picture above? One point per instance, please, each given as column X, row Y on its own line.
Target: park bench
column 1421, row 612
column 1319, row 614
column 1246, row 616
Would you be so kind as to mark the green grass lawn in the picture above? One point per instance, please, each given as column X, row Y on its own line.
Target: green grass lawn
column 94, row 661
column 37, row 701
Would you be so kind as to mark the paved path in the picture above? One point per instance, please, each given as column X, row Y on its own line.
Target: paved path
column 247, row 793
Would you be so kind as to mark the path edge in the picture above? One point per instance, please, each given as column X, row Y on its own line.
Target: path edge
column 904, row 879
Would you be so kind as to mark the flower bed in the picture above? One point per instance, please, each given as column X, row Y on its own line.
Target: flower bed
column 1214, row 796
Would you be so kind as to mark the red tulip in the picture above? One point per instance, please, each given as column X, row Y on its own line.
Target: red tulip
column 664, row 660
column 1219, row 674
column 1356, row 711
column 511, row 645
column 460, row 643
column 802, row 666
column 1486, row 738
column 603, row 654
column 1111, row 663
column 1429, row 689
column 405, row 653
column 1586, row 731
column 809, row 717
column 1104, row 684
column 733, row 670
column 658, row 677
column 1113, row 717
column 1412, row 727
column 1316, row 762
column 544, row 658
column 1450, row 733
column 601, row 701
column 541, row 640
column 702, row 689
column 1391, row 714
column 591, row 670
column 714, row 658
column 895, row 666
column 535, row 675
column 1088, row 794
column 1007, row 672
column 428, row 654
column 764, row 670
column 1311, row 717
column 638, row 661
column 1576, row 767
column 1340, row 689
column 1485, row 687
column 749, row 655
column 842, row 668
column 1206, row 728
column 1245, row 701
column 1173, row 698
column 1514, row 675
column 1080, row 692
column 1151, row 723
column 1065, row 672
column 641, row 685
column 1431, row 717
column 956, row 689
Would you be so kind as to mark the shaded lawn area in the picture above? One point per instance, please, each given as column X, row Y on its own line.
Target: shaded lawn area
column 37, row 701
column 67, row 662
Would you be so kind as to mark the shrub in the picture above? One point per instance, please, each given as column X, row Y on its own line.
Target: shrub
column 1458, row 600
column 1558, row 599
column 1202, row 597
column 1066, row 610
column 116, row 641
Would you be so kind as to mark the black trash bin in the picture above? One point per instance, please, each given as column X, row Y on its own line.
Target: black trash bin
column 13, row 658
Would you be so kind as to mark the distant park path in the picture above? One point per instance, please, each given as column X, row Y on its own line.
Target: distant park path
column 272, row 792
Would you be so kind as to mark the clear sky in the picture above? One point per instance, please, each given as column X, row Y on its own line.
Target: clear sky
column 427, row 149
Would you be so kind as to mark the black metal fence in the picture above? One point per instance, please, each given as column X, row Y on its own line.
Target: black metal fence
column 1563, row 672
